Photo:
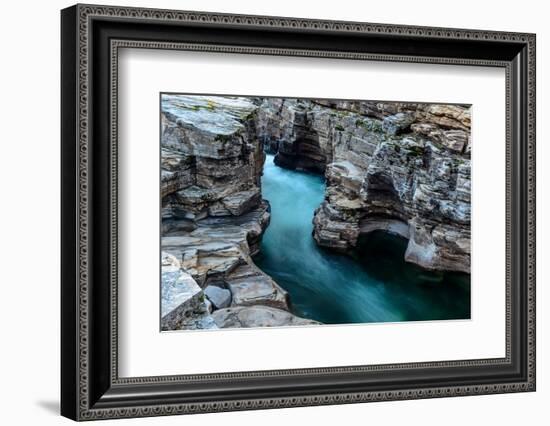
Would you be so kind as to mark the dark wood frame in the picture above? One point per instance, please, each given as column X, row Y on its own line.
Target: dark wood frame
column 91, row 37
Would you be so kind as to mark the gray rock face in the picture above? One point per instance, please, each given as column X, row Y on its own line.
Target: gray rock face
column 283, row 124
column 218, row 252
column 220, row 297
column 213, row 215
column 216, row 245
column 250, row 286
column 211, row 161
column 404, row 168
column 257, row 316
column 398, row 123
column 182, row 300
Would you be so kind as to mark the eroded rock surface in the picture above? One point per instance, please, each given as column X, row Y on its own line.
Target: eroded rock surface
column 211, row 162
column 219, row 297
column 213, row 215
column 183, row 302
column 257, row 316
column 403, row 168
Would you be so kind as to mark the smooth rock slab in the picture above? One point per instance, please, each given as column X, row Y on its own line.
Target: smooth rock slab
column 222, row 115
column 257, row 316
column 218, row 245
column 250, row 286
column 220, row 297
column 182, row 300
column 241, row 202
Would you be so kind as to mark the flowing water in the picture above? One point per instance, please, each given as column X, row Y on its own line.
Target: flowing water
column 374, row 285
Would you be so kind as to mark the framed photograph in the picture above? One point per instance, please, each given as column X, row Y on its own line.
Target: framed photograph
column 263, row 212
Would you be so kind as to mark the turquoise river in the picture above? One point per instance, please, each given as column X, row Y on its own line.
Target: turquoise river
column 375, row 284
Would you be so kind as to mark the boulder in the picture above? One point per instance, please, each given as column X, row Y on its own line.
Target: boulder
column 241, row 202
column 220, row 297
column 250, row 286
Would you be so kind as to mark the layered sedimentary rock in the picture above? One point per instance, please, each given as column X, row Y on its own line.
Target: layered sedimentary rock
column 213, row 215
column 286, row 126
column 210, row 161
column 403, row 168
column 183, row 303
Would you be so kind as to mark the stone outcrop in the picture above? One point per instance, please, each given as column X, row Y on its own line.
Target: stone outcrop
column 403, row 168
column 211, row 162
column 183, row 304
column 257, row 316
column 218, row 253
column 219, row 297
column 213, row 215
column 285, row 128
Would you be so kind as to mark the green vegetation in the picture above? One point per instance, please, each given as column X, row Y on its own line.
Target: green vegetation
column 339, row 128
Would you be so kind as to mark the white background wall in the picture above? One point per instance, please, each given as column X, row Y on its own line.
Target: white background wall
column 29, row 213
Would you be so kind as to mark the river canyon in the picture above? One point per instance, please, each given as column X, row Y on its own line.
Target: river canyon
column 359, row 212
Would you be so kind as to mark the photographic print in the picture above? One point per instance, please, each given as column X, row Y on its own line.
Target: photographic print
column 279, row 211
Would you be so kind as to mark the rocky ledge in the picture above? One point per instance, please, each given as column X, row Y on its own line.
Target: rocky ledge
column 213, row 218
column 399, row 167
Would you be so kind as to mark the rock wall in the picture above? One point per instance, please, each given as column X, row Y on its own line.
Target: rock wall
column 210, row 161
column 404, row 168
column 213, row 217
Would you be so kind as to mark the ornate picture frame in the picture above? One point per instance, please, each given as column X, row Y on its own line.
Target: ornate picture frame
column 91, row 37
